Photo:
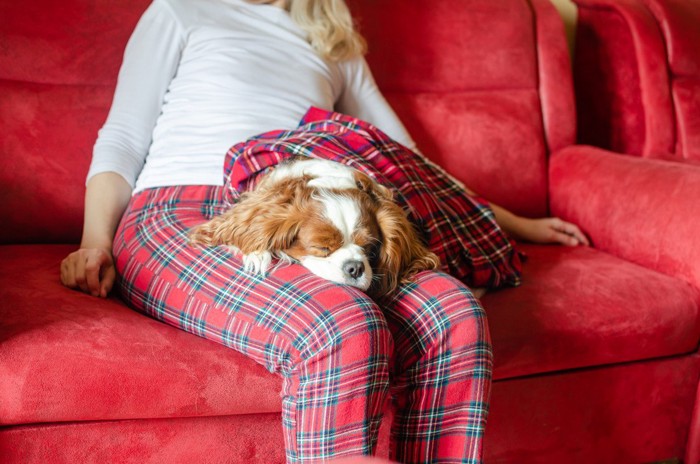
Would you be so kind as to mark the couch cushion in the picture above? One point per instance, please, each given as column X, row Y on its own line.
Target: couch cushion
column 579, row 307
column 47, row 130
column 451, row 70
column 686, row 96
column 57, row 43
column 464, row 131
column 58, row 68
column 678, row 21
column 66, row 356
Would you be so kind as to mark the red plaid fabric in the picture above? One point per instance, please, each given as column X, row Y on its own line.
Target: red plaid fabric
column 459, row 228
column 338, row 352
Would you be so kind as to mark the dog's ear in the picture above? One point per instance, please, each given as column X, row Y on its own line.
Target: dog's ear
column 401, row 253
column 263, row 220
column 374, row 189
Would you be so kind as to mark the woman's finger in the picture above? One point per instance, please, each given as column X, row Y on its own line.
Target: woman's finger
column 93, row 265
column 564, row 238
column 67, row 276
column 574, row 231
column 79, row 272
column 108, row 277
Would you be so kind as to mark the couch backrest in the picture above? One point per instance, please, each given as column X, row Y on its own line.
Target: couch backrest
column 484, row 87
column 637, row 72
column 58, row 67
column 679, row 21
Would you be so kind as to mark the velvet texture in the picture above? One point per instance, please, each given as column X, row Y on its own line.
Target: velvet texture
column 89, row 359
column 633, row 413
column 579, row 307
column 655, row 227
column 610, row 113
column 595, row 355
column 81, row 358
column 642, row 58
column 484, row 117
column 58, row 67
column 457, row 73
column 692, row 453
column 555, row 78
column 224, row 439
column 624, row 413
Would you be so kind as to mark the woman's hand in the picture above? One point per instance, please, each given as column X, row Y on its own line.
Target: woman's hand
column 550, row 230
column 543, row 230
column 90, row 270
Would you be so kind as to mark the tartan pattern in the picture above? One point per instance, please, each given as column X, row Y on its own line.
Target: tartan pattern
column 460, row 229
column 338, row 352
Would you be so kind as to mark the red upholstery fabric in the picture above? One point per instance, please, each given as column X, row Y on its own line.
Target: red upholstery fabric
column 483, row 116
column 631, row 413
column 125, row 358
column 80, row 43
column 641, row 57
column 223, row 439
column 41, row 140
column 555, row 80
column 679, row 21
column 596, row 354
column 686, row 97
column 627, row 413
column 58, row 67
column 579, row 307
column 658, row 196
column 442, row 79
column 81, row 358
column 693, row 449
column 610, row 112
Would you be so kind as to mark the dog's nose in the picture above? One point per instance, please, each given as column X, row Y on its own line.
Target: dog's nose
column 354, row 268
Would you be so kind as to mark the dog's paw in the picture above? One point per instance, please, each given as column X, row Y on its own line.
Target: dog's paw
column 257, row 262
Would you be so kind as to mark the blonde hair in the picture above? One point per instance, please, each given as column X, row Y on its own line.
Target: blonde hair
column 330, row 28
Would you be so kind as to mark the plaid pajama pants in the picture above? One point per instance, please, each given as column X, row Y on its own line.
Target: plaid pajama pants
column 338, row 352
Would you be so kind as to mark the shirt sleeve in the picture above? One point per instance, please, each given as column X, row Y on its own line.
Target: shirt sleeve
column 150, row 61
column 362, row 99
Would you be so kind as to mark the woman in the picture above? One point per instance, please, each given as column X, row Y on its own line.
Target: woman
column 199, row 76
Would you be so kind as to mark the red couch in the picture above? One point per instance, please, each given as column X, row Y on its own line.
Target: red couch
column 596, row 353
column 637, row 70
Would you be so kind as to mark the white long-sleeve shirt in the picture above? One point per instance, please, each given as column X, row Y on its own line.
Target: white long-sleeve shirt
column 199, row 76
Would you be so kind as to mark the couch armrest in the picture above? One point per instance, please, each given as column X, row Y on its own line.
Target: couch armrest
column 642, row 210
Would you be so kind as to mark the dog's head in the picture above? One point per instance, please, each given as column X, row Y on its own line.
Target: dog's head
column 337, row 222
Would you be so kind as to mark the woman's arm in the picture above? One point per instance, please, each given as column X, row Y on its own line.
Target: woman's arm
column 541, row 230
column 91, row 268
column 150, row 62
column 151, row 59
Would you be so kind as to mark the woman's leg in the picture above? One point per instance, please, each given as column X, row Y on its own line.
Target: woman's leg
column 330, row 343
column 441, row 377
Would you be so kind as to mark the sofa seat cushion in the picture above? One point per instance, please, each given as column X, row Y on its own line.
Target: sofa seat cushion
column 579, row 307
column 66, row 356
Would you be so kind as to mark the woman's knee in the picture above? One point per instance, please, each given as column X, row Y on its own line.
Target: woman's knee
column 353, row 327
column 437, row 308
column 434, row 293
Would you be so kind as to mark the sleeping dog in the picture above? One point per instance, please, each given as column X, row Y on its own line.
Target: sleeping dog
column 334, row 220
